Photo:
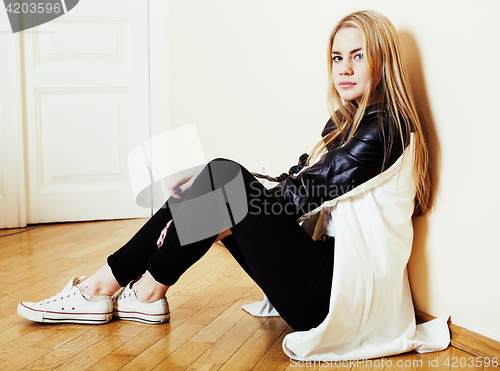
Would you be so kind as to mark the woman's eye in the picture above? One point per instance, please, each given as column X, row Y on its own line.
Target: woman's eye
column 358, row 56
column 337, row 58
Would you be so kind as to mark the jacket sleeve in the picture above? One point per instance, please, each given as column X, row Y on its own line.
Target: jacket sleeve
column 338, row 171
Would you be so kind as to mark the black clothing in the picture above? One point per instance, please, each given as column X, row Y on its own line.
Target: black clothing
column 294, row 271
column 346, row 165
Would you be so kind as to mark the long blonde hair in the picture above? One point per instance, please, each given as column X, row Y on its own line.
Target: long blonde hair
column 388, row 73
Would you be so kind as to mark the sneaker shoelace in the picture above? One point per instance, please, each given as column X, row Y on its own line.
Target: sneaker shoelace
column 58, row 297
column 66, row 292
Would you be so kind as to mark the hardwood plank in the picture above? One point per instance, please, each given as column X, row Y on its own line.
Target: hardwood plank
column 274, row 358
column 175, row 301
column 245, row 281
column 70, row 349
column 216, row 290
column 129, row 328
column 37, row 286
column 58, row 335
column 200, row 366
column 247, row 356
column 20, row 360
column 214, row 305
column 184, row 356
column 254, row 294
column 14, row 326
column 220, row 325
column 173, row 290
column 274, row 323
column 161, row 349
column 111, row 362
column 20, row 345
column 152, row 334
column 11, row 263
column 232, row 340
column 94, row 353
column 220, row 268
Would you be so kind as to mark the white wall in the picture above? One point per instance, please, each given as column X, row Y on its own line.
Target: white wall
column 252, row 75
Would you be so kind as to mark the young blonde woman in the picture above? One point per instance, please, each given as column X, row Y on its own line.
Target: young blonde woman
column 347, row 294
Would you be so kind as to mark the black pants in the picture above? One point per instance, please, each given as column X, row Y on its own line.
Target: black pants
column 294, row 271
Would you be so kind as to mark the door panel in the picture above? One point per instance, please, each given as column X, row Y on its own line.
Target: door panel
column 84, row 42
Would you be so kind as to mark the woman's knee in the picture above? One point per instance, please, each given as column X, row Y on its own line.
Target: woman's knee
column 223, row 171
column 222, row 161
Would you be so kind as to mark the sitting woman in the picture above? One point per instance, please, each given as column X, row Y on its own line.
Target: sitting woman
column 346, row 295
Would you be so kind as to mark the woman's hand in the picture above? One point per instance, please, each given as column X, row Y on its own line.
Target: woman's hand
column 163, row 234
column 181, row 186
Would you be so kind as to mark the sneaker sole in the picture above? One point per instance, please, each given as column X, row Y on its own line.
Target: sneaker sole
column 62, row 317
column 154, row 319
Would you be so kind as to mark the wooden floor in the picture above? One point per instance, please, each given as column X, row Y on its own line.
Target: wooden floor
column 208, row 329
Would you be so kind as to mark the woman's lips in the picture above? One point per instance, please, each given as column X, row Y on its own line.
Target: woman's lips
column 346, row 84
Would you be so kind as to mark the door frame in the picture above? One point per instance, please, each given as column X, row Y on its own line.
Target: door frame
column 158, row 63
column 158, row 69
column 12, row 128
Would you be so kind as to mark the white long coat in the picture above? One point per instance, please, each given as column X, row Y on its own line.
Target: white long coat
column 371, row 310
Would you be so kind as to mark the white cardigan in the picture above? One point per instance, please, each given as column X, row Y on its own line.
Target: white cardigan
column 371, row 310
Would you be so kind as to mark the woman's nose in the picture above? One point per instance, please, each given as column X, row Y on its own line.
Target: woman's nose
column 346, row 70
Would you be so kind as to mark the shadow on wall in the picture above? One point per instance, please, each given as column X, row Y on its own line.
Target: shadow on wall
column 417, row 266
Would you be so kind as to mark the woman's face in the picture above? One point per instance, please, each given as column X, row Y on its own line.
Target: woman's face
column 349, row 68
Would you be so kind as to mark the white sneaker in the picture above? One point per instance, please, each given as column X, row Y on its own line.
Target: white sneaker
column 126, row 306
column 69, row 306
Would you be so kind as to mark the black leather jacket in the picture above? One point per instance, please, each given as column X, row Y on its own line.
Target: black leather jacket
column 345, row 165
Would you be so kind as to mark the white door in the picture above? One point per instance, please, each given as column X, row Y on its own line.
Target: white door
column 86, row 106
